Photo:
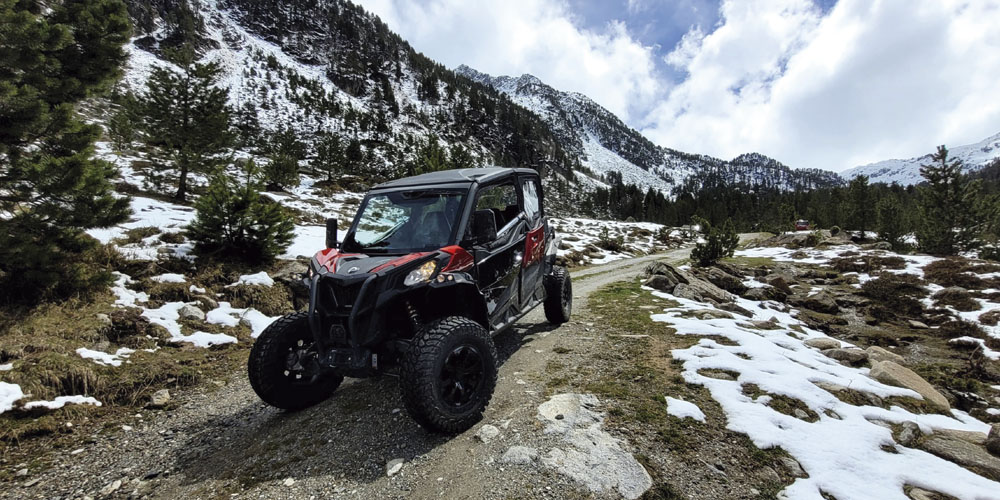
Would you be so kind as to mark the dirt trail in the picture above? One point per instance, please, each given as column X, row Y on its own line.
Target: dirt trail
column 225, row 443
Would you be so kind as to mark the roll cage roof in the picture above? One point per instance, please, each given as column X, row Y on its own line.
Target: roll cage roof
column 456, row 177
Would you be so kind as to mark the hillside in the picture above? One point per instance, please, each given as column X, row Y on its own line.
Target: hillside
column 907, row 172
column 606, row 144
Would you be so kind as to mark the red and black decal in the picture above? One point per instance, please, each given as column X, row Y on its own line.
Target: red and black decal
column 534, row 246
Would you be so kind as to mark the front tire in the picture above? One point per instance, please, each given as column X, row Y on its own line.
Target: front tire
column 280, row 370
column 448, row 375
column 558, row 296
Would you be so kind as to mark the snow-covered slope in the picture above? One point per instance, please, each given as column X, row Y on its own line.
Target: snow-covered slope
column 906, row 172
column 605, row 144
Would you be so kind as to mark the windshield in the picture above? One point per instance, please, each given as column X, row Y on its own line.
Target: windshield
column 405, row 222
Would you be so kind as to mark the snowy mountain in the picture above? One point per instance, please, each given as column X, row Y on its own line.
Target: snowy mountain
column 906, row 172
column 606, row 144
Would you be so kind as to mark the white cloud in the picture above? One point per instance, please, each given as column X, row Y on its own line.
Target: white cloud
column 870, row 80
column 540, row 37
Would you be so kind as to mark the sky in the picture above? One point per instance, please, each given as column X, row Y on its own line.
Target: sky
column 812, row 83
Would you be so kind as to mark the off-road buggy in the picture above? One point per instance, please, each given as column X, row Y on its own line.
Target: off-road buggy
column 432, row 267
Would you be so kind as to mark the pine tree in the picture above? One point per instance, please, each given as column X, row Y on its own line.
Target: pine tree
column 329, row 156
column 123, row 123
column 280, row 171
column 234, row 221
column 718, row 243
column 861, row 207
column 891, row 223
column 952, row 218
column 52, row 56
column 186, row 117
column 354, row 156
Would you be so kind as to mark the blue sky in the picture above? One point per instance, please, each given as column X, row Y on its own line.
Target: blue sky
column 812, row 83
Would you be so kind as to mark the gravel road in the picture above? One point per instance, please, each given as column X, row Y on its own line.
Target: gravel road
column 220, row 441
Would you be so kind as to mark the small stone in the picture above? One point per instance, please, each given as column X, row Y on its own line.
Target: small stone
column 801, row 414
column 191, row 312
column 289, row 481
column 487, row 432
column 21, row 473
column 909, row 434
column 917, row 325
column 922, row 494
column 76, row 451
column 103, row 319
column 159, row 399
column 521, row 455
column 849, row 356
column 792, row 466
column 206, row 301
column 126, row 428
column 393, row 467
column 822, row 343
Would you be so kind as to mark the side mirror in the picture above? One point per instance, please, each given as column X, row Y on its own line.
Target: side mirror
column 484, row 226
column 331, row 233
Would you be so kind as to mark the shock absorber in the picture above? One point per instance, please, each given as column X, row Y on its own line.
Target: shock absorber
column 415, row 321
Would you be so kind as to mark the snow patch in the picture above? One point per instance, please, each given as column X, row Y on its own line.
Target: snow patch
column 61, row 401
column 9, row 394
column 169, row 278
column 260, row 278
column 683, row 409
column 103, row 358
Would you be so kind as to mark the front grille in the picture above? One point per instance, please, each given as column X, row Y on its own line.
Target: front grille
column 345, row 295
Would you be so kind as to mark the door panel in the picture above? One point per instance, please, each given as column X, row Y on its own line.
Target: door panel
column 534, row 244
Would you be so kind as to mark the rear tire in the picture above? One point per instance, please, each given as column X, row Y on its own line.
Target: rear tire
column 448, row 375
column 558, row 296
column 274, row 378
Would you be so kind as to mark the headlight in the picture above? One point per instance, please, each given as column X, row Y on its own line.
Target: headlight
column 421, row 274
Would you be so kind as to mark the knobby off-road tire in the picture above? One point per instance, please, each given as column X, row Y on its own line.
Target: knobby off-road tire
column 558, row 296
column 448, row 375
column 268, row 365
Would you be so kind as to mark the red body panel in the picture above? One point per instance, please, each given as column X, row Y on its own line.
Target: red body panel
column 534, row 246
column 328, row 258
column 460, row 259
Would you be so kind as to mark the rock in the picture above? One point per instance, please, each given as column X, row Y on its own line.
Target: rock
column 977, row 438
column 487, row 432
column 724, row 280
column 159, row 399
column 963, row 453
column 191, row 312
column 588, row 454
column 704, row 314
column 792, row 466
column 103, row 319
column 661, row 283
column 993, row 440
column 111, row 487
column 521, row 455
column 878, row 245
column 781, row 282
column 892, row 373
column 909, row 433
column 801, row 414
column 206, row 301
column 702, row 291
column 849, row 356
column 21, row 473
column 765, row 293
column 823, row 343
column 876, row 354
column 666, row 270
column 736, row 309
column 393, row 467
column 917, row 325
column 922, row 494
column 823, row 302
column 289, row 481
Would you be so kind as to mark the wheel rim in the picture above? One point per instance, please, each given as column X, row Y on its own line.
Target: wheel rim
column 299, row 363
column 462, row 375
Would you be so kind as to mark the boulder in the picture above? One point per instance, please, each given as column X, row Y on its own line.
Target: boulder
column 977, row 438
column 735, row 309
column 724, row 280
column 892, row 373
column 849, row 356
column 206, row 301
column 917, row 325
column 876, row 354
column 823, row 302
column 703, row 291
column 909, row 433
column 993, row 440
column 963, row 453
column 704, row 314
column 779, row 281
column 823, row 343
column 765, row 293
column 191, row 312
column 661, row 283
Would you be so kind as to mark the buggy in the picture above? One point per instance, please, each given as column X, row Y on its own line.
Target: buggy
column 431, row 269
